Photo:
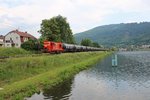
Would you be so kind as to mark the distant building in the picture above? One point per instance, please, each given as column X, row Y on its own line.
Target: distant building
column 15, row 38
column 1, row 40
column 122, row 49
column 145, row 46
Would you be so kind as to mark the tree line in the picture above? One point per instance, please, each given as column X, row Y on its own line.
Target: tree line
column 55, row 29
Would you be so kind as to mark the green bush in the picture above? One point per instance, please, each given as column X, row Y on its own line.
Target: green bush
column 32, row 45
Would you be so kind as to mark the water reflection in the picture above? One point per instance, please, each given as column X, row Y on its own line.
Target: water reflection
column 59, row 92
column 130, row 80
column 114, row 60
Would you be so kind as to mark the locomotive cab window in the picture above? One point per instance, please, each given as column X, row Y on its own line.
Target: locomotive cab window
column 60, row 45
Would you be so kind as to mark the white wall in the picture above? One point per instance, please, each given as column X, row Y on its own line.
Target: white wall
column 15, row 38
column 1, row 40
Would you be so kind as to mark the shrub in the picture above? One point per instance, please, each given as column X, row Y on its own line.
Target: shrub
column 31, row 45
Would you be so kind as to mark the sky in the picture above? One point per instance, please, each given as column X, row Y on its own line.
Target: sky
column 27, row 15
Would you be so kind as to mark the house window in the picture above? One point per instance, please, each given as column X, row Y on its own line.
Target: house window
column 25, row 39
column 16, row 44
column 7, row 41
column 16, row 38
column 7, row 44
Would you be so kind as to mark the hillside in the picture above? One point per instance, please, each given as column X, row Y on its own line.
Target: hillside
column 118, row 34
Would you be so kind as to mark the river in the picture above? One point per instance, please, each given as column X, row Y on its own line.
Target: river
column 130, row 80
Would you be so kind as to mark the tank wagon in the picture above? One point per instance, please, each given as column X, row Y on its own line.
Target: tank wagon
column 59, row 47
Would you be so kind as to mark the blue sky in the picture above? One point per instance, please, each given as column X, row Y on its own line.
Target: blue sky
column 81, row 14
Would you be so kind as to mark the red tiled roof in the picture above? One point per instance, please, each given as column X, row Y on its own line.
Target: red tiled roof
column 24, row 34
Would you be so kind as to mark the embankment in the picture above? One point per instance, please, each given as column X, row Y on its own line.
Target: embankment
column 5, row 52
column 20, row 77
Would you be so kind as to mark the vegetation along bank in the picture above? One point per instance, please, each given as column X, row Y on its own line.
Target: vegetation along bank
column 20, row 77
column 7, row 52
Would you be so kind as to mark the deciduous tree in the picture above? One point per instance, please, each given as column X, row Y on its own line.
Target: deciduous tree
column 86, row 42
column 57, row 29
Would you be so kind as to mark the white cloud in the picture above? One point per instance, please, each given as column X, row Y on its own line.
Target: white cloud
column 81, row 14
column 5, row 23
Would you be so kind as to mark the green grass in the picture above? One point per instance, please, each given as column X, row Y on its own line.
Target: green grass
column 23, row 76
column 12, row 52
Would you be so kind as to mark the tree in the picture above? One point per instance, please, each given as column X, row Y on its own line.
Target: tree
column 56, row 29
column 95, row 44
column 86, row 42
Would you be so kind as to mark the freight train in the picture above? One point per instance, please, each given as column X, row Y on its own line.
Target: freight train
column 59, row 47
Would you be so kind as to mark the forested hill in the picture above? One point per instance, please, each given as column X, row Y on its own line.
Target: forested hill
column 118, row 34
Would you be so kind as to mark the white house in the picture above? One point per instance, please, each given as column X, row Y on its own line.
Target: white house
column 145, row 46
column 15, row 38
column 1, row 40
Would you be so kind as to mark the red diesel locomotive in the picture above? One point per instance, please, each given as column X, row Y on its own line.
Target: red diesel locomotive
column 58, row 47
column 53, row 47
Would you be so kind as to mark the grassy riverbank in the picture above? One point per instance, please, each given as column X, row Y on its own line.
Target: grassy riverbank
column 23, row 76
